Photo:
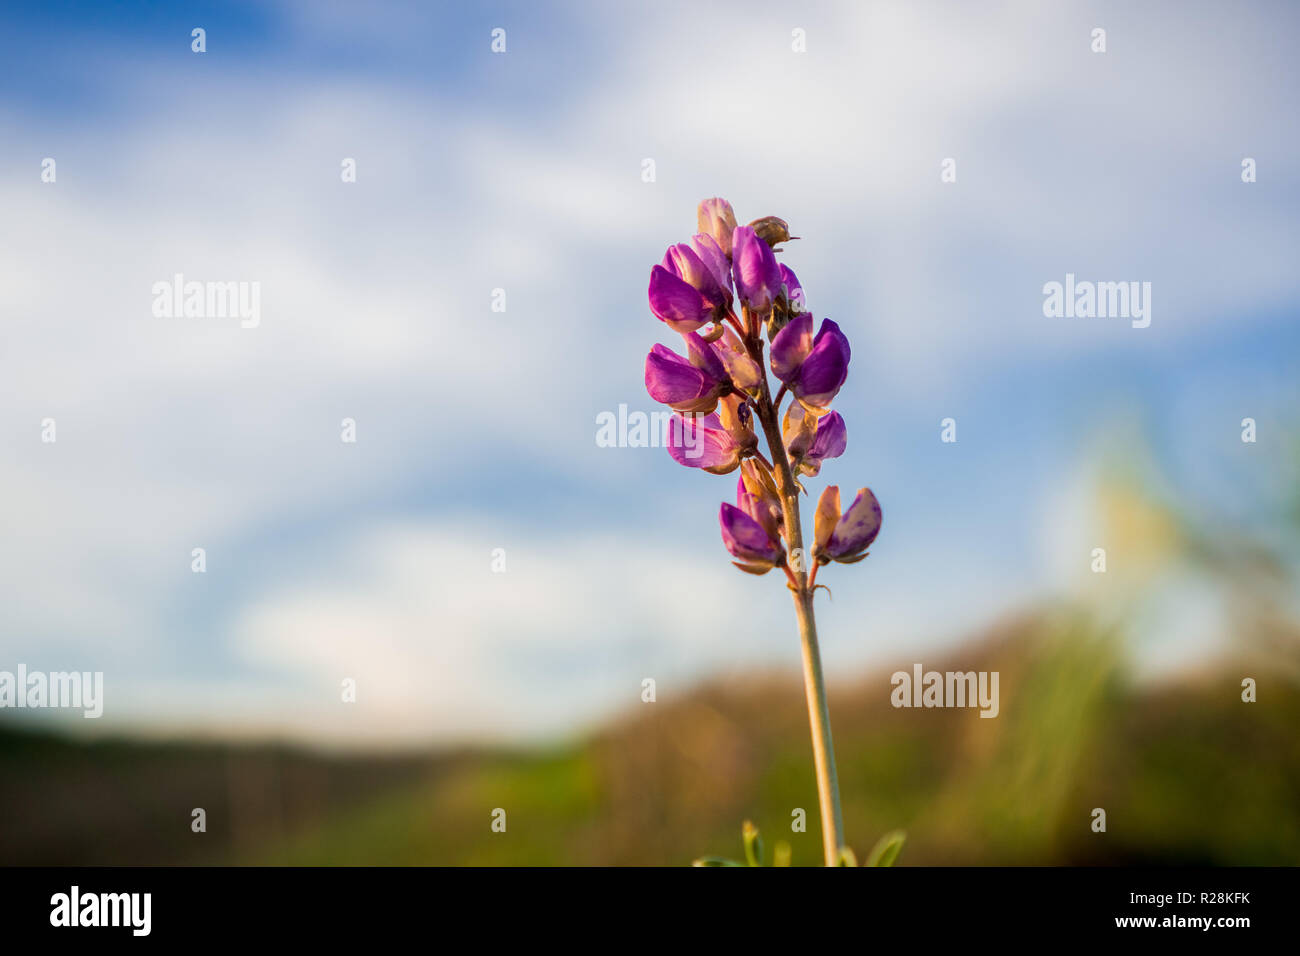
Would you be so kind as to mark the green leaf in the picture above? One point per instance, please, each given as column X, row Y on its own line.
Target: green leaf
column 886, row 851
column 847, row 857
column 753, row 844
column 714, row 861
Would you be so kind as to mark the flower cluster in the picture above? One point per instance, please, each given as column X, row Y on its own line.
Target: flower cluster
column 720, row 393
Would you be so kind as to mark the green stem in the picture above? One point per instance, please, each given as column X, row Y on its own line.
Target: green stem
column 819, row 714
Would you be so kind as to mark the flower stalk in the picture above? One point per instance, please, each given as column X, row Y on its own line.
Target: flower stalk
column 819, row 713
column 722, row 385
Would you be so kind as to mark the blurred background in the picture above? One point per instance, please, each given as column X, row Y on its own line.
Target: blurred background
column 480, row 688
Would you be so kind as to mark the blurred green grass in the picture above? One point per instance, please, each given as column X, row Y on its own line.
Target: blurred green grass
column 1186, row 772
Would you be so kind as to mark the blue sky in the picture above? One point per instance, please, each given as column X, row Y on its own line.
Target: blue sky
column 476, row 429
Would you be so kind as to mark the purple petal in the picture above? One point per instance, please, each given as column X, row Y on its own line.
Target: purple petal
column 753, row 266
column 832, row 438
column 791, row 346
column 677, row 302
column 673, row 380
column 745, row 538
column 793, row 290
column 701, row 442
column 704, row 357
column 711, row 254
column 763, row 512
column 682, row 261
column 857, row 528
column 825, row 368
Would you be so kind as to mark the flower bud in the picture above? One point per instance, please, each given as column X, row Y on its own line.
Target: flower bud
column 748, row 541
column 757, row 480
column 716, row 218
column 771, row 230
column 745, row 374
column 736, row 419
column 849, row 536
column 755, row 271
column 827, row 514
column 797, row 431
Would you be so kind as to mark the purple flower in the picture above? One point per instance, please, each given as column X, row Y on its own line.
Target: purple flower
column 756, row 495
column 829, row 441
column 745, row 374
column 798, row 428
column 845, row 538
column 791, row 346
column 756, row 479
column 737, row 419
column 686, row 385
column 813, row 368
column 758, row 279
column 711, row 254
column 686, row 263
column 702, row 441
column 748, row 541
column 717, row 219
column 793, row 290
column 678, row 303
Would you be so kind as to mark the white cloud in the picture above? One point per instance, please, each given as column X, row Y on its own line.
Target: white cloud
column 181, row 433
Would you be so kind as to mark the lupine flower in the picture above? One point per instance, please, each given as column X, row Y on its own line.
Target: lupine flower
column 703, row 441
column 814, row 369
column 748, row 541
column 845, row 538
column 758, row 279
column 686, row 385
column 829, row 441
column 757, row 496
column 676, row 302
column 718, row 390
column 716, row 218
column 711, row 254
column 687, row 263
column 745, row 374
column 738, row 421
column 756, row 479
column 810, row 440
column 798, row 429
column 793, row 290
